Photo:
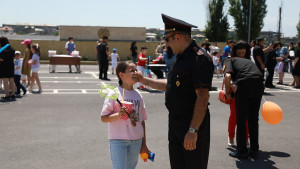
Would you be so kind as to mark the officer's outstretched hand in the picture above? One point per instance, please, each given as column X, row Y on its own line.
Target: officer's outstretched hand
column 190, row 140
column 138, row 76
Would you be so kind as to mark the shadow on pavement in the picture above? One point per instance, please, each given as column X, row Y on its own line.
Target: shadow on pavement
column 263, row 160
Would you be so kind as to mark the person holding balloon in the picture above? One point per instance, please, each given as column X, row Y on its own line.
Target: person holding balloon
column 241, row 50
column 250, row 88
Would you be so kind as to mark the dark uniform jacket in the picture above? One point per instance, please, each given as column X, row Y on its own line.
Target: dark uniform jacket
column 258, row 51
column 192, row 69
column 102, row 51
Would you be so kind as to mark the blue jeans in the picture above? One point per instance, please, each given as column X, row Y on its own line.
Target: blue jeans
column 125, row 153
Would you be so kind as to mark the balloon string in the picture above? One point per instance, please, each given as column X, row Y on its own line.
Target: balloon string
column 123, row 95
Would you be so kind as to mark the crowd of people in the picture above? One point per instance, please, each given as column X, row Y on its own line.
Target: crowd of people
column 273, row 59
column 18, row 73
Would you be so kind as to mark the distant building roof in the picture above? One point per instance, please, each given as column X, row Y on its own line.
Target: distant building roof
column 28, row 24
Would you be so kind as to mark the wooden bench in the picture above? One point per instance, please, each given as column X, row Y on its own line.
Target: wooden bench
column 64, row 60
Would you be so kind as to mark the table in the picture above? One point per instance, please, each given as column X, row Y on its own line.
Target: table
column 157, row 69
column 64, row 60
column 155, row 66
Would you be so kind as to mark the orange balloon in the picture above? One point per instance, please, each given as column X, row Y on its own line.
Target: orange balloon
column 271, row 113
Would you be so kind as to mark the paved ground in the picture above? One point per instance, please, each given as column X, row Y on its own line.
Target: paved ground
column 60, row 128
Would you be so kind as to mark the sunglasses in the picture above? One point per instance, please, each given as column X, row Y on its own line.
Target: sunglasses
column 167, row 38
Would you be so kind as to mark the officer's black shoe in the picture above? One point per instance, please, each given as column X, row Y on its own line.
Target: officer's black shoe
column 106, row 79
column 238, row 155
column 253, row 154
column 100, row 77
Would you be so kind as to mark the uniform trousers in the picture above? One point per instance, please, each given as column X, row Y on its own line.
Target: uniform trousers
column 103, row 69
column 180, row 158
column 269, row 79
column 248, row 99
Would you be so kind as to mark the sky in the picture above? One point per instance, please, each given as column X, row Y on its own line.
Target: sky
column 134, row 13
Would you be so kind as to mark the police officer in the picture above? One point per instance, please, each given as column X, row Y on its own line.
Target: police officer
column 104, row 57
column 249, row 80
column 259, row 54
column 186, row 97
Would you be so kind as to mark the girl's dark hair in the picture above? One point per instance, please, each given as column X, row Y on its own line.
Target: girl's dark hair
column 170, row 52
column 37, row 49
column 241, row 45
column 122, row 66
column 3, row 41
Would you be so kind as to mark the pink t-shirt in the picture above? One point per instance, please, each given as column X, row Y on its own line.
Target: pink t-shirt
column 122, row 129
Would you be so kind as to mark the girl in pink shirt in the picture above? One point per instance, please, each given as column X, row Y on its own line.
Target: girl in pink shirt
column 126, row 135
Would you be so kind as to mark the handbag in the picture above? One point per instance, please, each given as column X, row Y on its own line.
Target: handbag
column 222, row 95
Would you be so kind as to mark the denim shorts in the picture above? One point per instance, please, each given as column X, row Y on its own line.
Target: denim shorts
column 124, row 153
column 36, row 70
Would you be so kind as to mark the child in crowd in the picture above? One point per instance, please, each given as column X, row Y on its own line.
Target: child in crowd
column 17, row 76
column 142, row 60
column 35, row 67
column 126, row 140
column 114, row 60
column 216, row 61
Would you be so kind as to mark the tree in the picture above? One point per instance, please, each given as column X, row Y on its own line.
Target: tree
column 298, row 29
column 217, row 26
column 239, row 10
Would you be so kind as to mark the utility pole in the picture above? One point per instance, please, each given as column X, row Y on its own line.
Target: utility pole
column 249, row 28
column 279, row 24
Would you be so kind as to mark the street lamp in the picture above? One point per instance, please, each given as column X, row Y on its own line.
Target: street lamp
column 249, row 29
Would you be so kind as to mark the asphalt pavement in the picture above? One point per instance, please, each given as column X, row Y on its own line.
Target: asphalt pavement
column 61, row 127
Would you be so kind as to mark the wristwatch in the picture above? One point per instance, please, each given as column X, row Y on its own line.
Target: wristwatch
column 192, row 130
